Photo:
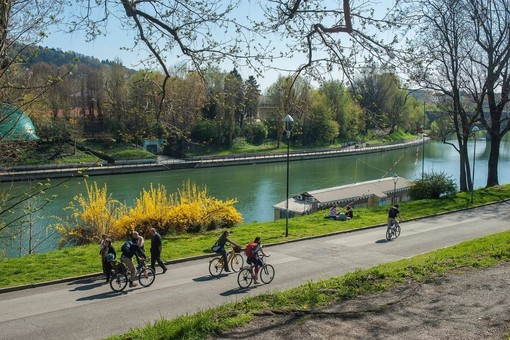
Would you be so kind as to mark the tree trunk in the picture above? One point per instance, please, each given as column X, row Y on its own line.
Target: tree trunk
column 492, row 164
column 464, row 178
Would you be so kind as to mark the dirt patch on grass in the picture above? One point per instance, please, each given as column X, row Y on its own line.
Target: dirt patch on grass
column 470, row 305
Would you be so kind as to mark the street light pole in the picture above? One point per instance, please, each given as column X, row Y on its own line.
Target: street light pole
column 395, row 180
column 288, row 120
column 475, row 129
column 423, row 144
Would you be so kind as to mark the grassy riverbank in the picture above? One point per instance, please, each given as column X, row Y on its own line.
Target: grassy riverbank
column 84, row 260
column 69, row 153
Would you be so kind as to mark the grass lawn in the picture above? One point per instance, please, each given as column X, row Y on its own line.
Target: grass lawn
column 82, row 260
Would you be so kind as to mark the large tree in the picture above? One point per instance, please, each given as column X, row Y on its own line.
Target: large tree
column 440, row 53
column 462, row 53
column 488, row 71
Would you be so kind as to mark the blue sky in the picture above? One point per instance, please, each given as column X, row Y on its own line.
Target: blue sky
column 111, row 46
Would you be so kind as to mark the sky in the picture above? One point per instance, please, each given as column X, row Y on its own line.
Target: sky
column 111, row 46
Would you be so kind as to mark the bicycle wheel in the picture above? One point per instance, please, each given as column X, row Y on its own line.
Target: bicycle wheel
column 397, row 231
column 119, row 282
column 216, row 266
column 388, row 234
column 266, row 273
column 147, row 276
column 244, row 278
column 237, row 263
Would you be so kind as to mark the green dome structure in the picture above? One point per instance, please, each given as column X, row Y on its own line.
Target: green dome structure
column 15, row 125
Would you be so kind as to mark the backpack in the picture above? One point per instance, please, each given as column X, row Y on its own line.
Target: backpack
column 125, row 247
column 249, row 249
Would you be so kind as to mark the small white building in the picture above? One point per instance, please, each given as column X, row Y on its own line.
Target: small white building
column 154, row 146
column 359, row 195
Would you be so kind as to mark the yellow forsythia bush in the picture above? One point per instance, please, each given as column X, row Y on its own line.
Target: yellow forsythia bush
column 188, row 210
column 151, row 210
column 92, row 215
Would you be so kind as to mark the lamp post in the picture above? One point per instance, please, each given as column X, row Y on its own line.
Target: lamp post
column 423, row 144
column 288, row 120
column 395, row 180
column 475, row 129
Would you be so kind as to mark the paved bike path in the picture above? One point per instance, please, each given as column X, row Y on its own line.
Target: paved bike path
column 88, row 309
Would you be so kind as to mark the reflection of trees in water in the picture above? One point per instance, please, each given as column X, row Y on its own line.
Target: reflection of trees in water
column 25, row 229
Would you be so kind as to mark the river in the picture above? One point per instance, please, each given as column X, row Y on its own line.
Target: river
column 258, row 187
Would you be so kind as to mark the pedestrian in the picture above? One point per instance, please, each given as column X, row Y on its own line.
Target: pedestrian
column 107, row 264
column 139, row 240
column 156, row 247
column 103, row 252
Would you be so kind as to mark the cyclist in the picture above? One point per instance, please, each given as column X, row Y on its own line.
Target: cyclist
column 219, row 248
column 130, row 249
column 393, row 213
column 253, row 258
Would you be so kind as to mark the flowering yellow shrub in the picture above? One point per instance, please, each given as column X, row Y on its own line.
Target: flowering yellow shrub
column 151, row 210
column 92, row 215
column 189, row 210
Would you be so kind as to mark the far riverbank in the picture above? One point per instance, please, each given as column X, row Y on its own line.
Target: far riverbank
column 24, row 173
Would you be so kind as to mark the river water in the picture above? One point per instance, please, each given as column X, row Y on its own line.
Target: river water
column 258, row 187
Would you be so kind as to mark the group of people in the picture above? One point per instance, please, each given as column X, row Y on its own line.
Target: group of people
column 335, row 214
column 135, row 247
column 252, row 256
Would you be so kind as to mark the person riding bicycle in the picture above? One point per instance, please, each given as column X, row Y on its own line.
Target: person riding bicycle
column 393, row 213
column 253, row 258
column 130, row 249
column 219, row 248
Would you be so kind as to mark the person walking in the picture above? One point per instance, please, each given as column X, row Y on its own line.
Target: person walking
column 139, row 240
column 156, row 247
column 107, row 265
column 103, row 251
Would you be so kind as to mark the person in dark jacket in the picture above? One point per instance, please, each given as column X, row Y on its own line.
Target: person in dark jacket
column 220, row 248
column 348, row 212
column 393, row 213
column 127, row 258
column 107, row 266
column 156, row 246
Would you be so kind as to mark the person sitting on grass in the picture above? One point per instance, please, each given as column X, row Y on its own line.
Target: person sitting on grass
column 333, row 213
column 348, row 212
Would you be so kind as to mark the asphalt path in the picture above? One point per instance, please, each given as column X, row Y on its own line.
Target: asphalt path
column 88, row 309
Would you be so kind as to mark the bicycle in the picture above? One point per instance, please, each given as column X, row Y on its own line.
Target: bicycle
column 246, row 276
column 234, row 258
column 393, row 231
column 120, row 279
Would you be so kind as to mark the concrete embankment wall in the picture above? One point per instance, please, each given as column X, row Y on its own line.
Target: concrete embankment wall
column 69, row 170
